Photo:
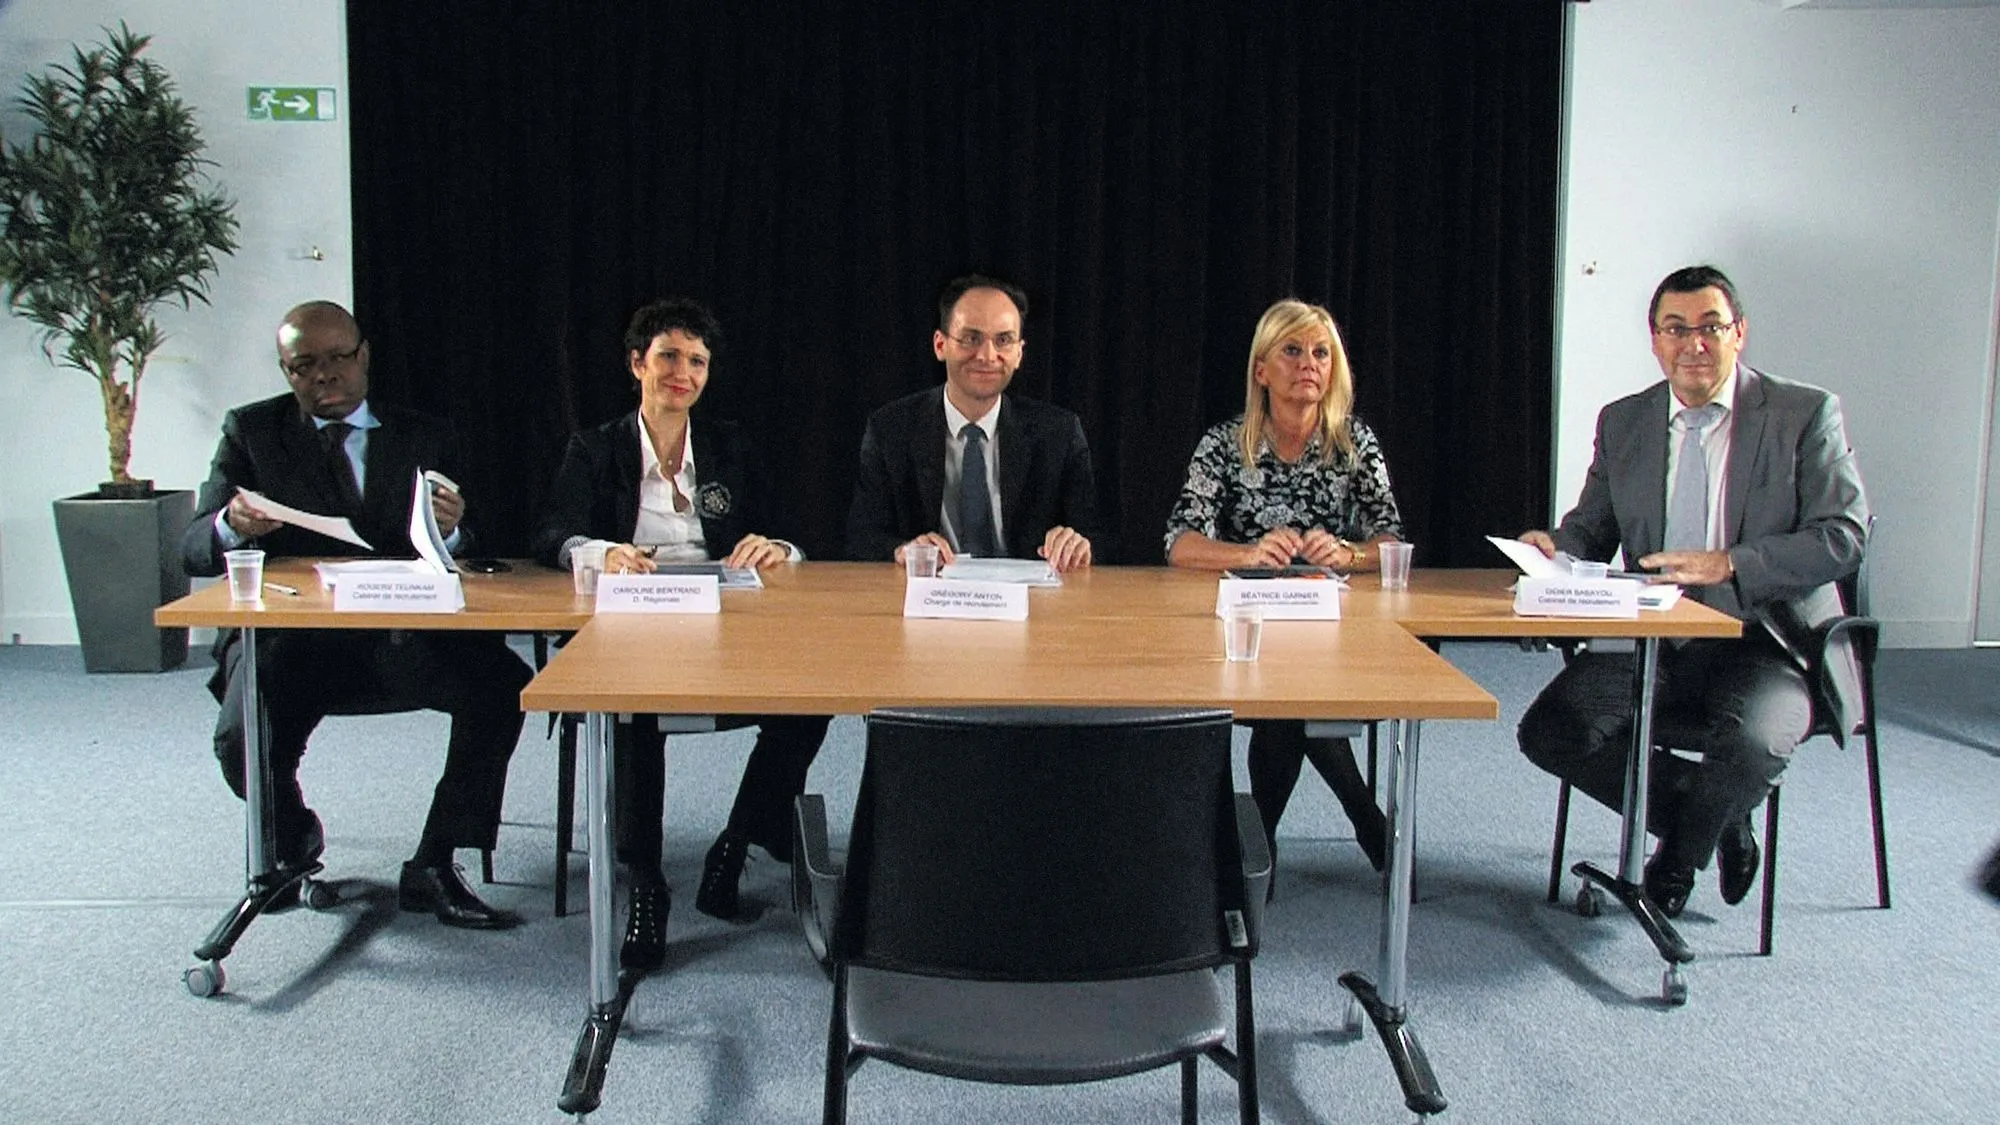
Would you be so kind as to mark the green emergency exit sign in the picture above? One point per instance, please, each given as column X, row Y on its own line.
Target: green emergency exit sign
column 291, row 103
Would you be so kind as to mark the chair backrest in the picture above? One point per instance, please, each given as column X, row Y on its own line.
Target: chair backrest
column 1043, row 844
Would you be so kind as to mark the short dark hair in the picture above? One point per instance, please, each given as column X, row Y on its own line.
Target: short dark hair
column 667, row 314
column 958, row 287
column 1694, row 279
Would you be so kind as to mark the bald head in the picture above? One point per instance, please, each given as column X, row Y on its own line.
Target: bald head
column 324, row 359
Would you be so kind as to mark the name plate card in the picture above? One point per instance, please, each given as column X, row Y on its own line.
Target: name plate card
column 659, row 593
column 964, row 598
column 1281, row 599
column 398, row 593
column 1576, row 597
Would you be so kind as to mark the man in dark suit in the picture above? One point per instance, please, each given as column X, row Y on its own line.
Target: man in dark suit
column 1741, row 487
column 324, row 448
column 1030, row 491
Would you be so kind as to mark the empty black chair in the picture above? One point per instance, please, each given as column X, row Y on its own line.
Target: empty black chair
column 1864, row 634
column 1039, row 897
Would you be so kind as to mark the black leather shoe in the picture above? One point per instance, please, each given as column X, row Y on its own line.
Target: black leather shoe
column 721, row 873
column 645, row 947
column 1738, row 860
column 296, row 850
column 442, row 891
column 1669, row 887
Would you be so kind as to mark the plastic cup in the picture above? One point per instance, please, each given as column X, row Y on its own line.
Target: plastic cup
column 1242, row 632
column 246, row 574
column 920, row 560
column 1396, row 565
column 586, row 565
column 1582, row 569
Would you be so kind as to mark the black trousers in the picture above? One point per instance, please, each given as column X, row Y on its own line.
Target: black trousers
column 1278, row 749
column 773, row 778
column 1742, row 705
column 306, row 674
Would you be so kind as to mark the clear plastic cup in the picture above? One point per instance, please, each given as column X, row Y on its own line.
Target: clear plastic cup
column 920, row 560
column 1242, row 632
column 586, row 565
column 1581, row 568
column 246, row 574
column 1396, row 565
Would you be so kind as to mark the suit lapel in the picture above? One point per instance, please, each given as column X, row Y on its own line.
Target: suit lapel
column 927, row 454
column 626, row 463
column 1746, row 449
column 1017, row 455
column 1649, row 465
column 382, row 496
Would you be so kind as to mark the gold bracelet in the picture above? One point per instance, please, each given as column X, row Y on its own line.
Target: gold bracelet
column 1360, row 555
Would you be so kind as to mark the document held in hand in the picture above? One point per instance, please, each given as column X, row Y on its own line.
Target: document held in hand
column 333, row 527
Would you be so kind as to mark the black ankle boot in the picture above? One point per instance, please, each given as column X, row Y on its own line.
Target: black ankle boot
column 645, row 947
column 721, row 872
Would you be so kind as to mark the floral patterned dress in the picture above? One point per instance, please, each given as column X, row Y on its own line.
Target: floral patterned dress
column 1232, row 504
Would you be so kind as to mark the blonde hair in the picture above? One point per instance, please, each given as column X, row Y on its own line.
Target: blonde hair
column 1281, row 322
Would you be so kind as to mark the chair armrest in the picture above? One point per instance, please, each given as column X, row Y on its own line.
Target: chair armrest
column 815, row 880
column 1256, row 852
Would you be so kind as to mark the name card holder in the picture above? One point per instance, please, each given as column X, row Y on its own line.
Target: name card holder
column 1576, row 597
column 398, row 593
column 659, row 593
column 965, row 599
column 1281, row 599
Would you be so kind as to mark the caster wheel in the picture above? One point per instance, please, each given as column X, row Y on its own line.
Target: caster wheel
column 205, row 980
column 1674, row 987
column 1589, row 901
column 317, row 895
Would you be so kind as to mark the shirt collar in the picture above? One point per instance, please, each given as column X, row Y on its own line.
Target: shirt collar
column 1725, row 398
column 649, row 461
column 955, row 421
column 361, row 418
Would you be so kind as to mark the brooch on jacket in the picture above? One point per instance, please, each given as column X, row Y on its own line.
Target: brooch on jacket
column 713, row 501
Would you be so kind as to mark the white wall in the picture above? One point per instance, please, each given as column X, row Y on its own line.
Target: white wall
column 290, row 182
column 1844, row 168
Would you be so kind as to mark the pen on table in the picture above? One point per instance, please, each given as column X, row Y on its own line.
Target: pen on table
column 280, row 587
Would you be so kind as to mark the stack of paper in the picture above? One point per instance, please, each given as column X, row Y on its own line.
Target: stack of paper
column 1024, row 572
column 1534, row 564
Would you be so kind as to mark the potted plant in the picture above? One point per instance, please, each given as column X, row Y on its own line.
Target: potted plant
column 108, row 213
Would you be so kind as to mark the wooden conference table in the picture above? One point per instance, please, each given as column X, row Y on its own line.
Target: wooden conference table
column 830, row 638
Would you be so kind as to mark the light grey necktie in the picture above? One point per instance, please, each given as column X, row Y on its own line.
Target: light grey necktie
column 975, row 505
column 1687, row 512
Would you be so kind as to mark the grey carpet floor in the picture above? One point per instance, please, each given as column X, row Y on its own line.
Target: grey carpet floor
column 120, row 847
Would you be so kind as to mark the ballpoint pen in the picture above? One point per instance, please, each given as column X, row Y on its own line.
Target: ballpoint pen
column 281, row 588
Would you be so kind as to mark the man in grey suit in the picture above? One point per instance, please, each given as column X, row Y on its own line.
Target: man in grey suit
column 1740, row 486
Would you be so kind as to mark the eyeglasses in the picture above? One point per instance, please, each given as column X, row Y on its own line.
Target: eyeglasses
column 972, row 339
column 1709, row 332
column 306, row 366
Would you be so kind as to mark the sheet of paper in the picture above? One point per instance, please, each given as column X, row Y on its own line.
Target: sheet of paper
column 424, row 534
column 1532, row 562
column 333, row 527
column 731, row 577
column 1024, row 572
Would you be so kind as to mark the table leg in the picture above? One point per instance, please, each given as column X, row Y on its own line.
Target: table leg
column 1387, row 1008
column 1628, row 885
column 262, row 880
column 583, row 1087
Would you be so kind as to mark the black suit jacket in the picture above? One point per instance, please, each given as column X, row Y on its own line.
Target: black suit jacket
column 596, row 491
column 1045, row 476
column 272, row 448
column 1793, row 513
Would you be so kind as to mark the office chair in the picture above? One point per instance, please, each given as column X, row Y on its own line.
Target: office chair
column 1039, row 896
column 1865, row 634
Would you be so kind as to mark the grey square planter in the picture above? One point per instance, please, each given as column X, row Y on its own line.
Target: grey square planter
column 123, row 561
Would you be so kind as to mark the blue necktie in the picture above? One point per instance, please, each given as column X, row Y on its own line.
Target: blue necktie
column 1687, row 512
column 975, row 507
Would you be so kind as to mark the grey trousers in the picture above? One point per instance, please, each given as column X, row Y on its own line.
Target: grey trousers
column 1742, row 706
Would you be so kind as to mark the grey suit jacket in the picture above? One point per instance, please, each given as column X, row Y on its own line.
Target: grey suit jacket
column 1794, row 515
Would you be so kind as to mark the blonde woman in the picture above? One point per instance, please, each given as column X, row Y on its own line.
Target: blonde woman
column 1297, row 478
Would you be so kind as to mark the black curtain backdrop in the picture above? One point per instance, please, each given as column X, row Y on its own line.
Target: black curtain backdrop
column 526, row 173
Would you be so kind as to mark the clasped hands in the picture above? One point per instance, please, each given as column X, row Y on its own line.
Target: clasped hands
column 1065, row 548
column 755, row 551
column 1316, row 546
column 1683, row 568
column 249, row 521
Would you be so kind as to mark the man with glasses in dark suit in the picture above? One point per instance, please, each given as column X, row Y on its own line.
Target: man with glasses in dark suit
column 966, row 467
column 324, row 448
column 1741, row 487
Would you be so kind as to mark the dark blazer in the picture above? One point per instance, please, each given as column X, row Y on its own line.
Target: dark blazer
column 1045, row 476
column 1793, row 510
column 271, row 447
column 596, row 491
